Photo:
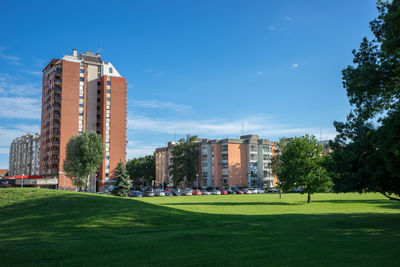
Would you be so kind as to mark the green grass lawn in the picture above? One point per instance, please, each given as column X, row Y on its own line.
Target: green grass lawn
column 48, row 227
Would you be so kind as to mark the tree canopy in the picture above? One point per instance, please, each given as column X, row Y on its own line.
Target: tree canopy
column 142, row 170
column 84, row 155
column 302, row 164
column 185, row 161
column 367, row 148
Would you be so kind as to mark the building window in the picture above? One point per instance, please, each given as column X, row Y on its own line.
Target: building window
column 108, row 82
column 82, row 79
column 81, row 105
column 108, row 99
column 110, row 70
column 82, row 70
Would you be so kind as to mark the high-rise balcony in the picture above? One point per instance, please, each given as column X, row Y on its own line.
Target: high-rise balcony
column 57, row 81
column 56, row 115
column 58, row 71
column 56, row 132
column 57, row 98
column 57, row 107
column 57, row 90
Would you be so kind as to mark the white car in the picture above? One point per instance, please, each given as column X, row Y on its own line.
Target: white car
column 254, row 190
column 160, row 193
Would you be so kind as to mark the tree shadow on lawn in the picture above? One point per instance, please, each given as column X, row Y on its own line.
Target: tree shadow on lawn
column 89, row 229
column 384, row 203
column 233, row 203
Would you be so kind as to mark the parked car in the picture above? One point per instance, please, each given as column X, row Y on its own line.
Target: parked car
column 261, row 191
column 177, row 192
column 205, row 192
column 159, row 193
column 168, row 193
column 298, row 190
column 273, row 190
column 148, row 194
column 187, row 192
column 230, row 191
column 224, row 192
column 135, row 194
column 196, row 192
column 247, row 191
column 215, row 192
column 254, row 190
column 238, row 191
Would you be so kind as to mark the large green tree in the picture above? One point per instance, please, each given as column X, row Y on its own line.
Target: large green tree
column 122, row 182
column 142, row 170
column 84, row 155
column 367, row 148
column 185, row 161
column 302, row 164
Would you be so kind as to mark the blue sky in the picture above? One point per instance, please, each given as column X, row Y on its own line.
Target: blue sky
column 192, row 67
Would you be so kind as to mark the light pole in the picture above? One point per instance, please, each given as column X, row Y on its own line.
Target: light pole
column 197, row 175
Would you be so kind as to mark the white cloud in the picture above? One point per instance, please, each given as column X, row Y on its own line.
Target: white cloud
column 138, row 149
column 294, row 65
column 12, row 85
column 20, row 107
column 261, row 124
column 155, row 104
column 288, row 18
column 10, row 133
column 35, row 73
column 161, row 73
column 4, row 150
column 272, row 28
column 13, row 59
column 259, row 73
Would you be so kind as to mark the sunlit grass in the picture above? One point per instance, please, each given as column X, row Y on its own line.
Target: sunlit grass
column 48, row 227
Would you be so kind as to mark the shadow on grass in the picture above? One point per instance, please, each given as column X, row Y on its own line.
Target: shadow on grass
column 386, row 203
column 233, row 203
column 81, row 229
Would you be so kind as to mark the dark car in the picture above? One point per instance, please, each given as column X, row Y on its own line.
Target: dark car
column 135, row 194
column 238, row 191
column 231, row 192
column 176, row 193
column 168, row 193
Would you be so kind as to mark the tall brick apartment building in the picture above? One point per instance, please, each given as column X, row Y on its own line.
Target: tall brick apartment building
column 82, row 93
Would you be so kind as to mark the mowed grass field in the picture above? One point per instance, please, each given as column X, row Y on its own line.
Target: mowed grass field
column 48, row 227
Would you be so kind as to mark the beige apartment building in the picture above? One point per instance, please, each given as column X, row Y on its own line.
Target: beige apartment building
column 163, row 161
column 227, row 162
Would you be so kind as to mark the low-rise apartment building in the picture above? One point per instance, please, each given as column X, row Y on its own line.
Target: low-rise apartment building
column 163, row 158
column 226, row 162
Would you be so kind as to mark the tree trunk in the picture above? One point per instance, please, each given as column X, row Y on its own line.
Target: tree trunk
column 280, row 193
column 87, row 182
column 308, row 197
column 389, row 197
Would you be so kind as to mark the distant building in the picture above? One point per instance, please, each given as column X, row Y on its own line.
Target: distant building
column 24, row 155
column 80, row 93
column 163, row 157
column 227, row 162
column 325, row 144
column 3, row 172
